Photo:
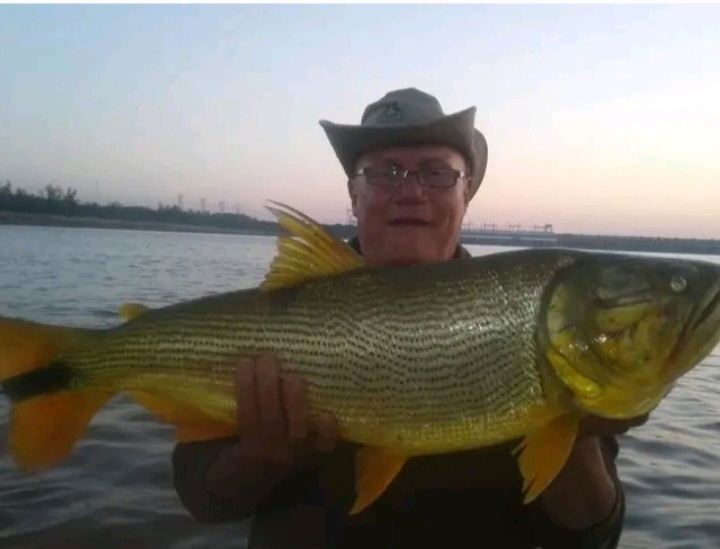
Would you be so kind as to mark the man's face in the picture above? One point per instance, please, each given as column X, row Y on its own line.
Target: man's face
column 410, row 223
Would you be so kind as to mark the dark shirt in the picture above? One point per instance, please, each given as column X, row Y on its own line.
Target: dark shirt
column 465, row 499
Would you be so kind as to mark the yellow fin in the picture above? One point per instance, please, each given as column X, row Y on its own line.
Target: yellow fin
column 375, row 469
column 45, row 429
column 310, row 251
column 544, row 452
column 190, row 423
column 130, row 311
column 46, row 423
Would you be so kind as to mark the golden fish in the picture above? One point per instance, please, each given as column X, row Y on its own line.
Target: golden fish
column 412, row 361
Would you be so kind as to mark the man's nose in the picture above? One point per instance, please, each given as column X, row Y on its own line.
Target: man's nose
column 411, row 188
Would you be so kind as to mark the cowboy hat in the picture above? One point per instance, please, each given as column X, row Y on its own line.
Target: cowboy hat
column 406, row 117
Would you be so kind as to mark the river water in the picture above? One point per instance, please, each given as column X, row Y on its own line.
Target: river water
column 115, row 490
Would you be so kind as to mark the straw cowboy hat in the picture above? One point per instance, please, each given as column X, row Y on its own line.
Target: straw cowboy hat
column 405, row 117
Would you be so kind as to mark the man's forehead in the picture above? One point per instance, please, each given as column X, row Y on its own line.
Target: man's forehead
column 417, row 153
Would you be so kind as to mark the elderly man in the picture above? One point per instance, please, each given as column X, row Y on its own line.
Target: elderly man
column 412, row 170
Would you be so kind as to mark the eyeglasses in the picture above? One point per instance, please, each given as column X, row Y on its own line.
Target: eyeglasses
column 390, row 176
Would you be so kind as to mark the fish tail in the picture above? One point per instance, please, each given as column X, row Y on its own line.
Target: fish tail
column 50, row 408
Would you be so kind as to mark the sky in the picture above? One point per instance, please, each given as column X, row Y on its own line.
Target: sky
column 599, row 118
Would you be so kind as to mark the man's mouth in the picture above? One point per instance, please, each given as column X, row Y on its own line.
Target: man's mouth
column 409, row 222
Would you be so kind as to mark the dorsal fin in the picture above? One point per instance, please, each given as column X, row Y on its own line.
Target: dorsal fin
column 129, row 311
column 309, row 252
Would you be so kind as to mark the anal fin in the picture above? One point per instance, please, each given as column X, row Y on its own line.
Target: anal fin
column 190, row 423
column 544, row 451
column 375, row 469
column 130, row 311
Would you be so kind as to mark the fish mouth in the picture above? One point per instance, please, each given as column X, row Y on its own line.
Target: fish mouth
column 703, row 327
column 710, row 305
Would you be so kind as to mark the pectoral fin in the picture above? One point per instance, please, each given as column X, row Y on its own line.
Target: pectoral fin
column 544, row 452
column 375, row 468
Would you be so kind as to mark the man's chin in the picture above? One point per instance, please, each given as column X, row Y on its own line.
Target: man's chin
column 406, row 261
column 409, row 252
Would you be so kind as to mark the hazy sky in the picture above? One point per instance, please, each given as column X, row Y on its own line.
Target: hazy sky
column 599, row 118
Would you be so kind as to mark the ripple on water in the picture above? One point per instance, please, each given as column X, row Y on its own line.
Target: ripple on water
column 118, row 481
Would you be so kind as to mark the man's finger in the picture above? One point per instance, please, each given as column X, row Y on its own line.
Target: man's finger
column 598, row 426
column 327, row 432
column 247, row 404
column 296, row 407
column 267, row 379
column 638, row 421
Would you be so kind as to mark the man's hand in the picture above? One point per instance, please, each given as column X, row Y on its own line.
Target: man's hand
column 594, row 426
column 277, row 434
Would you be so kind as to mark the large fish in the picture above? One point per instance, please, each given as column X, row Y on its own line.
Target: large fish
column 412, row 361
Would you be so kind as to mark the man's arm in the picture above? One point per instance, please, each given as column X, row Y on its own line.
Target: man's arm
column 235, row 497
column 584, row 493
column 584, row 507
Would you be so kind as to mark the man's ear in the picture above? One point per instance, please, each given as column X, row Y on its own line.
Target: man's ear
column 468, row 183
column 466, row 193
column 352, row 191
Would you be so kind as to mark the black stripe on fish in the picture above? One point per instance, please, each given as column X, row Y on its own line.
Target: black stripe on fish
column 52, row 378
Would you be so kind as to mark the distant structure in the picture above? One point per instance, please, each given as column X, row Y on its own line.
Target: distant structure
column 509, row 234
column 509, row 228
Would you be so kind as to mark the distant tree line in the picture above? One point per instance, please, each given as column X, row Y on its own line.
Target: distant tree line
column 56, row 201
column 53, row 201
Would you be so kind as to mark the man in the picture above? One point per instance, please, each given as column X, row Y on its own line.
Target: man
column 412, row 171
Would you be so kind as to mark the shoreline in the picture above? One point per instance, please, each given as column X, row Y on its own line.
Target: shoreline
column 42, row 220
column 264, row 228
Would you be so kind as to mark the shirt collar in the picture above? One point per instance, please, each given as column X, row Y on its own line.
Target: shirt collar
column 460, row 252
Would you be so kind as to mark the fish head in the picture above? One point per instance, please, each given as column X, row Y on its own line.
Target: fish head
column 620, row 330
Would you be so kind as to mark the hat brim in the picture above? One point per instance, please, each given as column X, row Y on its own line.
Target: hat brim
column 454, row 130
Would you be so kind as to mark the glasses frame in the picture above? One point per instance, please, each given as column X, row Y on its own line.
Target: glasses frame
column 400, row 176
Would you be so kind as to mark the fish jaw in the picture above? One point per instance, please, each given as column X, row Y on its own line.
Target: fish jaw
column 700, row 337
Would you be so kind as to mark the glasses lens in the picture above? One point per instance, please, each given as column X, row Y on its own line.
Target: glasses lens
column 382, row 177
column 439, row 178
column 392, row 177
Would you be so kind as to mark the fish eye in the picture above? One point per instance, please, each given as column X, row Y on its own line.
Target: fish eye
column 678, row 284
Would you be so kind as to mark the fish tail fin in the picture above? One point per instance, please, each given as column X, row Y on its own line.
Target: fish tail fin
column 26, row 346
column 49, row 410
